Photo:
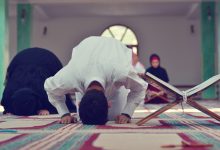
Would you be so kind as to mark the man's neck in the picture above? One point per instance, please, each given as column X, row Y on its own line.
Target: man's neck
column 95, row 86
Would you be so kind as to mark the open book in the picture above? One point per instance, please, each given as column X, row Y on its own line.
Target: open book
column 184, row 95
column 188, row 93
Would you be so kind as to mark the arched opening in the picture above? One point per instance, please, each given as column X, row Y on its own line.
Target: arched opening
column 123, row 34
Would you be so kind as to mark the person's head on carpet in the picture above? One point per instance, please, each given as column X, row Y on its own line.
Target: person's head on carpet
column 93, row 108
column 25, row 102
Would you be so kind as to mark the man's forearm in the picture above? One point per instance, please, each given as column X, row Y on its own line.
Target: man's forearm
column 134, row 99
column 61, row 108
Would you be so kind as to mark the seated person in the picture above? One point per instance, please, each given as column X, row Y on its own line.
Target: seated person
column 24, row 92
column 138, row 66
column 154, row 93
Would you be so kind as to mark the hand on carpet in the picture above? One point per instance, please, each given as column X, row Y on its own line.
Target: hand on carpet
column 67, row 119
column 43, row 112
column 8, row 114
column 122, row 119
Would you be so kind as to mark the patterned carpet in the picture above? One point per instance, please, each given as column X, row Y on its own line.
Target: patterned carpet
column 170, row 128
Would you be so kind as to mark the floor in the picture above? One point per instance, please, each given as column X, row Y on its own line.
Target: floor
column 171, row 128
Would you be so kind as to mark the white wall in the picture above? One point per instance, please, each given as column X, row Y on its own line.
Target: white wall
column 168, row 36
column 12, row 38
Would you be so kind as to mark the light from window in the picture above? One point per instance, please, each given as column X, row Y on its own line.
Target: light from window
column 123, row 34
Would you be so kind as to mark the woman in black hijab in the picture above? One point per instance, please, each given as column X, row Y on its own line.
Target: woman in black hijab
column 24, row 92
column 156, row 69
column 154, row 93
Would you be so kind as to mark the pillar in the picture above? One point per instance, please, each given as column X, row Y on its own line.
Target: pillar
column 208, row 45
column 3, row 41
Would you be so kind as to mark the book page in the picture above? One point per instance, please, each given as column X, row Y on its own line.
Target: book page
column 164, row 84
column 203, row 85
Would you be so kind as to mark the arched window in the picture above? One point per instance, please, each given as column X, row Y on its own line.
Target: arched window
column 123, row 34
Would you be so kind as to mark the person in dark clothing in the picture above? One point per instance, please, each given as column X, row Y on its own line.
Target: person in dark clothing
column 24, row 92
column 154, row 93
column 156, row 69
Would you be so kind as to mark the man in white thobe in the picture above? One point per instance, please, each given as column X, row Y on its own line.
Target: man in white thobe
column 97, row 71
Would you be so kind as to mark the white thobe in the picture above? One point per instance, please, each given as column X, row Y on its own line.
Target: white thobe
column 139, row 68
column 106, row 61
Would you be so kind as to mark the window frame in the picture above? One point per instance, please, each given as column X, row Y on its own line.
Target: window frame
column 131, row 46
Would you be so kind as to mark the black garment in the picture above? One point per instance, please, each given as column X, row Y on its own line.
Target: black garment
column 159, row 72
column 28, row 70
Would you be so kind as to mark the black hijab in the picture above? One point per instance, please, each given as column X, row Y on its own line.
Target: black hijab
column 159, row 71
column 24, row 92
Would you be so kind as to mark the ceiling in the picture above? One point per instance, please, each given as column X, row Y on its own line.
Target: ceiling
column 49, row 9
column 136, row 9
